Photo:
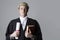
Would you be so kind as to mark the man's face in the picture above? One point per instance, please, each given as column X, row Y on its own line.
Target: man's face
column 23, row 11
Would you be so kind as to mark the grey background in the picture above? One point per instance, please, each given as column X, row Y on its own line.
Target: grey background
column 46, row 12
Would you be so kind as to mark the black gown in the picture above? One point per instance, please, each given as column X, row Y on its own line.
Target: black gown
column 12, row 27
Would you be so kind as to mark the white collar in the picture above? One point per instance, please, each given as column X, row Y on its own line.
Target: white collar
column 23, row 18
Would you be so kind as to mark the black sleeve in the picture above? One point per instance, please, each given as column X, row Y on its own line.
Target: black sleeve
column 38, row 32
column 9, row 31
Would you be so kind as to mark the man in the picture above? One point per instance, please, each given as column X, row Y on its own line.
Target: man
column 29, row 28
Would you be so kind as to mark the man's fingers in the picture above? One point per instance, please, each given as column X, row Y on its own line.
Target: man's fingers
column 29, row 31
column 15, row 33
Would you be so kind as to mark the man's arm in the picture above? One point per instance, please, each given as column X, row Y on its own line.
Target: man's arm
column 38, row 32
column 9, row 31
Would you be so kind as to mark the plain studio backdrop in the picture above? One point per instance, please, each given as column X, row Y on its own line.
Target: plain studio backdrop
column 46, row 12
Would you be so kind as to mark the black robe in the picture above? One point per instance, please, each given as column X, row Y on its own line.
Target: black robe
column 12, row 27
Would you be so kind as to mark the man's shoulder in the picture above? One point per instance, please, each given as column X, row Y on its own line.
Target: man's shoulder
column 15, row 20
column 31, row 19
column 18, row 20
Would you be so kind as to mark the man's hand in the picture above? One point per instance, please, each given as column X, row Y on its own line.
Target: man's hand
column 15, row 34
column 28, row 33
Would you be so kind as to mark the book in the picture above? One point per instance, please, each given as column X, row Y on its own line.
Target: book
column 32, row 28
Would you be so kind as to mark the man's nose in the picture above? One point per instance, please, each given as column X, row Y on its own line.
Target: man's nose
column 24, row 10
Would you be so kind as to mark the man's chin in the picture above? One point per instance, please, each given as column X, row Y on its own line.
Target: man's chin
column 22, row 15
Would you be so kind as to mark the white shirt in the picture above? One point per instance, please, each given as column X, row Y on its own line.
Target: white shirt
column 23, row 21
